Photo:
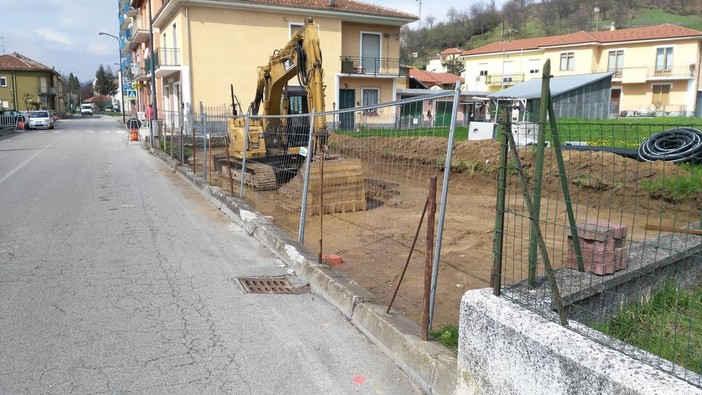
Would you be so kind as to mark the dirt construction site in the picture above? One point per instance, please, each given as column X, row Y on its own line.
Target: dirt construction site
column 374, row 245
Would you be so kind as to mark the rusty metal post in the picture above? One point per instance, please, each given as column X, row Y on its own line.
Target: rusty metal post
column 429, row 258
column 409, row 256
column 229, row 163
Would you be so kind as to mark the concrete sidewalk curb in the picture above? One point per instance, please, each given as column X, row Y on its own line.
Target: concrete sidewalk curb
column 432, row 366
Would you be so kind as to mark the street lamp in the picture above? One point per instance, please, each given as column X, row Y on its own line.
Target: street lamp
column 121, row 75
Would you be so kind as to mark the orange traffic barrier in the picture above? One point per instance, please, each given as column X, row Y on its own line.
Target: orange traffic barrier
column 134, row 135
column 20, row 124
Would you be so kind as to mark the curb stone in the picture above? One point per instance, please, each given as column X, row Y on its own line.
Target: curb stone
column 432, row 366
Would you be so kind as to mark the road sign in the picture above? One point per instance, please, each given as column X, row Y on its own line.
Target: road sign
column 131, row 94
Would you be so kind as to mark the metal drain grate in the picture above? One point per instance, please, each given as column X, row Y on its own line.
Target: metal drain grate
column 269, row 285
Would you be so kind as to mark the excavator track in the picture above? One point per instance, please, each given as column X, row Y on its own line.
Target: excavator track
column 258, row 176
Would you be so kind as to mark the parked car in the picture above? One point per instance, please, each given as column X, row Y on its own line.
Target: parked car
column 10, row 118
column 40, row 119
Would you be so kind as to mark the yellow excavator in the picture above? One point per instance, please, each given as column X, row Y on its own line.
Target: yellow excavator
column 277, row 146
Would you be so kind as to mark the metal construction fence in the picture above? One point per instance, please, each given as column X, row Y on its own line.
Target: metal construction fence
column 376, row 170
column 619, row 233
column 603, row 235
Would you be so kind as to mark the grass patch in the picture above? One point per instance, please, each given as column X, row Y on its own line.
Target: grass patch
column 619, row 133
column 668, row 325
column 652, row 16
column 679, row 187
column 446, row 335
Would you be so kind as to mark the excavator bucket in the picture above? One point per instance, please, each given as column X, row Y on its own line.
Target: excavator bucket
column 338, row 183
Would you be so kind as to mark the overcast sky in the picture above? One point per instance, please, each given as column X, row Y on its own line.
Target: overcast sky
column 63, row 34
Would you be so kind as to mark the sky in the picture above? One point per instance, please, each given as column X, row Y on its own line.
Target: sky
column 63, row 34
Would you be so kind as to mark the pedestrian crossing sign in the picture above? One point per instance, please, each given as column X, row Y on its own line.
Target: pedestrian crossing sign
column 131, row 94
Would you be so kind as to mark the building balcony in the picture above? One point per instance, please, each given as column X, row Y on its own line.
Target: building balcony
column 376, row 67
column 504, row 79
column 140, row 71
column 46, row 90
column 672, row 72
column 124, row 21
column 139, row 32
column 166, row 61
column 650, row 73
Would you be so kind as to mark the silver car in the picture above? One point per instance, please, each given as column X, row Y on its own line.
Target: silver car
column 40, row 120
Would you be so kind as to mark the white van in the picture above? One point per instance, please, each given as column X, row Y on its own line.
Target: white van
column 86, row 109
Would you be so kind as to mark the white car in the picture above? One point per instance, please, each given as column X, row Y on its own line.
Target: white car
column 86, row 109
column 41, row 119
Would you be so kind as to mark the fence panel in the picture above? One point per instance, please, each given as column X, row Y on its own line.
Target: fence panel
column 637, row 226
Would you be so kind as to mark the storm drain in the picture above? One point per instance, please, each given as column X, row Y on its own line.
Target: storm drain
column 269, row 285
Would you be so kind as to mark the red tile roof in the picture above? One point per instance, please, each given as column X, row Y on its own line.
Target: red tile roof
column 450, row 51
column 349, row 6
column 15, row 61
column 658, row 32
column 430, row 79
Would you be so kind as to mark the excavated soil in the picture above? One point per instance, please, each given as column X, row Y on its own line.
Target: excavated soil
column 601, row 184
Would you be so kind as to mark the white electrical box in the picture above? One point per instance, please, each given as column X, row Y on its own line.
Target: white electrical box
column 525, row 133
column 482, row 131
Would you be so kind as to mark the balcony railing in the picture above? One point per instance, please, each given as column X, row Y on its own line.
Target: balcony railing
column 504, row 79
column 47, row 90
column 370, row 66
column 642, row 73
column 166, row 57
column 677, row 71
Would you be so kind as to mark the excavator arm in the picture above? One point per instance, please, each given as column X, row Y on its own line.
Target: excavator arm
column 301, row 57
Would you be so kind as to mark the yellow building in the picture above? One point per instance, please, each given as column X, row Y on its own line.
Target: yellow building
column 204, row 47
column 656, row 69
column 26, row 85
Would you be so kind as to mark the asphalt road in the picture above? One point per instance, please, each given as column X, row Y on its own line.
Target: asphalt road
column 117, row 277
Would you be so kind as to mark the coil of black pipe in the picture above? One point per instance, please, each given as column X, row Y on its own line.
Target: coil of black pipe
column 678, row 145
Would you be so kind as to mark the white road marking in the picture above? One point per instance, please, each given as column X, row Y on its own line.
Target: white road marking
column 16, row 169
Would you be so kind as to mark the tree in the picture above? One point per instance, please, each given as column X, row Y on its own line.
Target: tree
column 86, row 91
column 105, row 81
column 71, row 89
column 455, row 66
column 548, row 16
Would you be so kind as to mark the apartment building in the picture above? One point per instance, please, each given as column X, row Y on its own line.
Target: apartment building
column 655, row 69
column 201, row 48
column 26, row 84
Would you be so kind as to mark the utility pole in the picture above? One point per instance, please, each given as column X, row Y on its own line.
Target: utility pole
column 154, row 119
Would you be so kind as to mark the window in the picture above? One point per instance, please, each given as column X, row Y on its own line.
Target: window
column 294, row 27
column 370, row 52
column 370, row 97
column 661, row 94
column 534, row 66
column 616, row 62
column 664, row 59
column 568, row 61
column 3, row 81
column 483, row 67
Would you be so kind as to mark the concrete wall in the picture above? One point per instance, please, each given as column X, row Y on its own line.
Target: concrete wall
column 506, row 349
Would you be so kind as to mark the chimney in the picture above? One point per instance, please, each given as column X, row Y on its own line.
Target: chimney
column 611, row 27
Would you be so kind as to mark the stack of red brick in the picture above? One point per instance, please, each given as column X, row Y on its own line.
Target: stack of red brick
column 602, row 246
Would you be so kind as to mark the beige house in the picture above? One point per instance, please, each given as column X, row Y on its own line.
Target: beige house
column 655, row 68
column 203, row 47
